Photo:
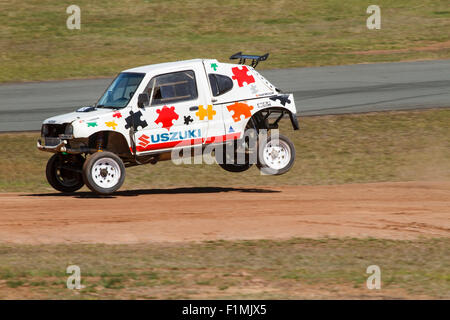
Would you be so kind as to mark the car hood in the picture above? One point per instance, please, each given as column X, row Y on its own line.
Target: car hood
column 77, row 115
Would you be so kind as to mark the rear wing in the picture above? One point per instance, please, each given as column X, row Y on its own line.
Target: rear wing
column 243, row 57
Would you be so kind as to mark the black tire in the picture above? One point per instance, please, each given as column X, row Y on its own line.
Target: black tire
column 235, row 167
column 271, row 167
column 227, row 160
column 103, row 172
column 62, row 179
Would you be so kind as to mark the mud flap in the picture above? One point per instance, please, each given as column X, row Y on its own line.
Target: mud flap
column 294, row 120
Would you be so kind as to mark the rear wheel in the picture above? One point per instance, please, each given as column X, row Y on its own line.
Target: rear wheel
column 63, row 172
column 104, row 172
column 235, row 167
column 230, row 160
column 276, row 155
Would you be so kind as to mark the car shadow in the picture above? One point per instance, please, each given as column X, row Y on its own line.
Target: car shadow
column 133, row 193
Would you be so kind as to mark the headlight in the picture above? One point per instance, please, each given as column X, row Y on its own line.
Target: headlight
column 69, row 130
column 44, row 130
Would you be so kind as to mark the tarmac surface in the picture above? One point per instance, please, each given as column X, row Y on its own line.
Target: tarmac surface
column 317, row 91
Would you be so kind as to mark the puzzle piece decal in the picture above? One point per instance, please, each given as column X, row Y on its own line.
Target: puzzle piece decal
column 143, row 141
column 117, row 115
column 135, row 120
column 202, row 112
column 188, row 120
column 240, row 109
column 166, row 116
column 92, row 124
column 241, row 76
column 283, row 99
column 214, row 66
column 111, row 124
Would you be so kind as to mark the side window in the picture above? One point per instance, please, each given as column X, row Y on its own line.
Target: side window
column 172, row 87
column 214, row 85
column 220, row 84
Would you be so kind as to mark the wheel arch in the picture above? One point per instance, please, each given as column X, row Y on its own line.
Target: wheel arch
column 262, row 121
column 111, row 141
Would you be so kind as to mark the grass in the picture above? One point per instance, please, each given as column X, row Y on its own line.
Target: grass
column 36, row 45
column 387, row 146
column 268, row 269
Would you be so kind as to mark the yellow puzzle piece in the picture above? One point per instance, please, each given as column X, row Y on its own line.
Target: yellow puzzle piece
column 202, row 112
column 111, row 124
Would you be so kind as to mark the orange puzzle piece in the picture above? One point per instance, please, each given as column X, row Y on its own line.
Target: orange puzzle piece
column 202, row 112
column 240, row 109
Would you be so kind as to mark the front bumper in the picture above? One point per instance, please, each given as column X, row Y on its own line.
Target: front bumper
column 60, row 147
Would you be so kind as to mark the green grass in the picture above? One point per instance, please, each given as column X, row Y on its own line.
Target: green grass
column 36, row 45
column 229, row 269
column 14, row 283
column 388, row 146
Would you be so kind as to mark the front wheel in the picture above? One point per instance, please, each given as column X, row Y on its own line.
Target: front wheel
column 104, row 172
column 276, row 155
column 63, row 172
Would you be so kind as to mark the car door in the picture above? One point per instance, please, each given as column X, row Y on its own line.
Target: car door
column 177, row 114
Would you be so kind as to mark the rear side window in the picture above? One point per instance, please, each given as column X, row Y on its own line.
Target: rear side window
column 173, row 87
column 220, row 84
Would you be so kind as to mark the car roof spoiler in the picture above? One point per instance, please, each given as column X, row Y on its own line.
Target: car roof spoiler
column 255, row 59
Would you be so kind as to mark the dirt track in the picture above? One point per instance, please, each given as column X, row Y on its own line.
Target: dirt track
column 383, row 210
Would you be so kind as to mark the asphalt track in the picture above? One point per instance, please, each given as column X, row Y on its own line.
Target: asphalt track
column 317, row 91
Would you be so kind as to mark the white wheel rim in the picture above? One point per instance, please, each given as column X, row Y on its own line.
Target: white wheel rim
column 277, row 155
column 106, row 173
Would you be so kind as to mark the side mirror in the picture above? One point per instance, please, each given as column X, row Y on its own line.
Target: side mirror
column 143, row 100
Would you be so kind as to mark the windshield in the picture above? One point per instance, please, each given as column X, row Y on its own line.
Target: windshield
column 121, row 90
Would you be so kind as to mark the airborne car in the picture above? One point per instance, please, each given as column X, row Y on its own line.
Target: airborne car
column 149, row 112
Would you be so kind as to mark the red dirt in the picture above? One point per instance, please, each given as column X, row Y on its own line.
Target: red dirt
column 404, row 210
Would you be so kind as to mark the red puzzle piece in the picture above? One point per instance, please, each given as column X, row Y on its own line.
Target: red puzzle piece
column 241, row 76
column 117, row 115
column 166, row 116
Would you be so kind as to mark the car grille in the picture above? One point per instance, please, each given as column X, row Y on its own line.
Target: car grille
column 50, row 141
column 52, row 130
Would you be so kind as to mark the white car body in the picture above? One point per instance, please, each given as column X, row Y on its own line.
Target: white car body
column 161, row 127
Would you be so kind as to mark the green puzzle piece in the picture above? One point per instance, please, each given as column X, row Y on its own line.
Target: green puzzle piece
column 92, row 124
column 214, row 66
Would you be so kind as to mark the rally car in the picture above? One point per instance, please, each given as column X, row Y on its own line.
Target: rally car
column 149, row 113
